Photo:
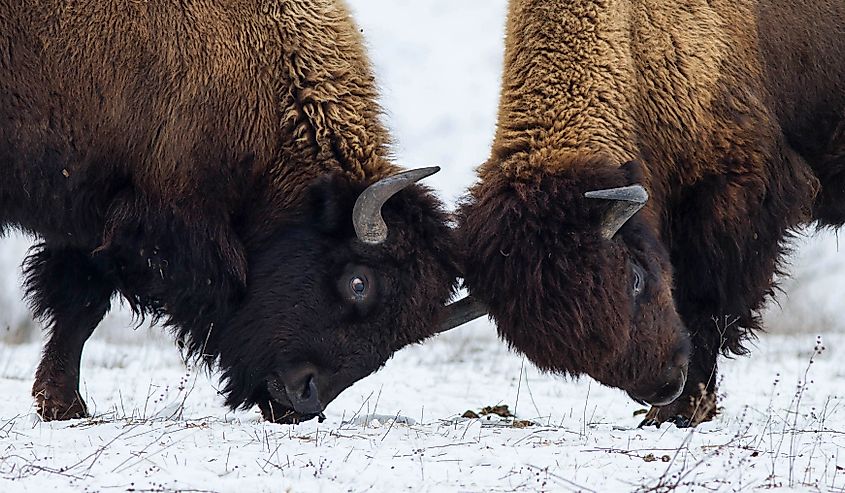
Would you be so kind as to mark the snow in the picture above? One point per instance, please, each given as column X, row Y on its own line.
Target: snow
column 160, row 425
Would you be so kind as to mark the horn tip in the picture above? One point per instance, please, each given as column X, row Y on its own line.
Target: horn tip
column 430, row 170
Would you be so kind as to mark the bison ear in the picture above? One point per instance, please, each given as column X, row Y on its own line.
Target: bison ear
column 624, row 203
column 325, row 203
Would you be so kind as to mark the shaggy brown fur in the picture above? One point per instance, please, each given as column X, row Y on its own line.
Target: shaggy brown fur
column 202, row 158
column 735, row 112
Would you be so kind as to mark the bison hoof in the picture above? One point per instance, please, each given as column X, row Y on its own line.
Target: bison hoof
column 678, row 420
column 685, row 412
column 53, row 407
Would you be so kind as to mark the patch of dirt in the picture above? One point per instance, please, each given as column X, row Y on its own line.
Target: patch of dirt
column 501, row 411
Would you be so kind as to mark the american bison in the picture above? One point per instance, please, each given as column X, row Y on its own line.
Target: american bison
column 223, row 167
column 724, row 121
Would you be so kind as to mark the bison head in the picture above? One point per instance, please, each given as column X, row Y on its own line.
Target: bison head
column 332, row 294
column 575, row 278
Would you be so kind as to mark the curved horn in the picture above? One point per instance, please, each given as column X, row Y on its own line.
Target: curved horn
column 366, row 215
column 460, row 312
column 627, row 201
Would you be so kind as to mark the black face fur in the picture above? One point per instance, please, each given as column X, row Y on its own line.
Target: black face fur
column 317, row 297
column 571, row 300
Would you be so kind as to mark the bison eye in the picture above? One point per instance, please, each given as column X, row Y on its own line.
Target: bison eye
column 358, row 286
column 638, row 282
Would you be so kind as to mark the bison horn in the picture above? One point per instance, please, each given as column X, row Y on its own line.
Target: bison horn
column 461, row 312
column 626, row 202
column 366, row 215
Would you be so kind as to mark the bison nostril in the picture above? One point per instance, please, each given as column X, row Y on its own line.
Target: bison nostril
column 302, row 390
column 309, row 390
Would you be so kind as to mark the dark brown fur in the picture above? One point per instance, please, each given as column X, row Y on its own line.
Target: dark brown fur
column 202, row 158
column 735, row 114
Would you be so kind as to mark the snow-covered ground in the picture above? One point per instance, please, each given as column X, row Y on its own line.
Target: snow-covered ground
column 160, row 426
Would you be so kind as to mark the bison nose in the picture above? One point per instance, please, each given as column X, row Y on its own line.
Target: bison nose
column 302, row 390
column 671, row 389
column 670, row 384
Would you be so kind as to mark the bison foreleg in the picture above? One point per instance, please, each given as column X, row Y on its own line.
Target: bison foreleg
column 727, row 236
column 72, row 295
